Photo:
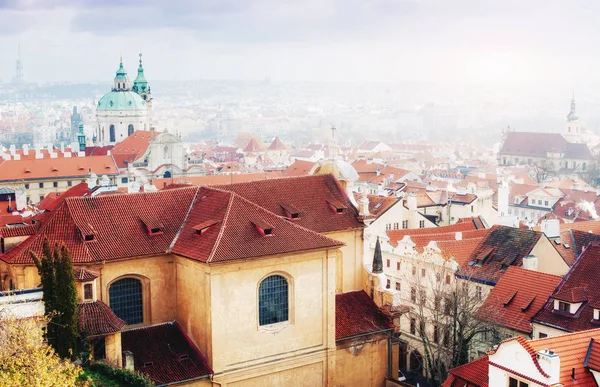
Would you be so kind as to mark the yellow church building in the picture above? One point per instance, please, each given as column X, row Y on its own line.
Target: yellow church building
column 250, row 284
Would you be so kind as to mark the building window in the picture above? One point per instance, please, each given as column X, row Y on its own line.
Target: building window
column 563, row 306
column 447, row 279
column 413, row 326
column 124, row 180
column 398, row 286
column 26, row 186
column 125, row 297
column 69, row 183
column 421, row 224
column 388, row 227
column 88, row 293
column 405, row 224
column 273, row 298
column 545, row 202
column 472, row 209
column 398, row 266
column 422, row 297
column 41, row 185
column 512, row 382
column 41, row 197
column 112, row 134
column 388, row 284
column 396, row 226
column 413, row 295
column 387, row 263
column 129, row 130
column 55, row 184
column 542, row 335
column 479, row 292
column 422, row 272
column 438, row 277
column 414, row 270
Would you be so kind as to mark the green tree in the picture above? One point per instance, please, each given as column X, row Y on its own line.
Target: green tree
column 60, row 298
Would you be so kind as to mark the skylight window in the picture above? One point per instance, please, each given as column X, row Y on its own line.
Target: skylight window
column 291, row 212
column 336, row 206
column 203, row 227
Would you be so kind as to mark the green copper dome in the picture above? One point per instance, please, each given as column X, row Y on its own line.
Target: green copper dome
column 121, row 100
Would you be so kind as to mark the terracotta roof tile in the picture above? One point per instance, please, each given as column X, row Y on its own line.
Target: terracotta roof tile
column 135, row 144
column 96, row 318
column 517, row 297
column 162, row 183
column 75, row 167
column 277, row 145
column 165, row 353
column 580, row 283
column 309, row 194
column 17, row 231
column 237, row 218
column 82, row 275
column 592, row 357
column 80, row 189
column 443, row 232
column 473, row 374
column 356, row 314
column 501, row 247
column 531, row 144
column 299, row 168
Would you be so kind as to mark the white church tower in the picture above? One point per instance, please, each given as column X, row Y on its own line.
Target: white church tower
column 572, row 131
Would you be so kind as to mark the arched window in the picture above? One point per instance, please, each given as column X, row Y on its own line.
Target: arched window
column 130, row 130
column 125, row 298
column 167, row 174
column 273, row 300
column 113, row 137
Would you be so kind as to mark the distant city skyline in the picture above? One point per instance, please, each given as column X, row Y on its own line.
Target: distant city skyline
column 335, row 40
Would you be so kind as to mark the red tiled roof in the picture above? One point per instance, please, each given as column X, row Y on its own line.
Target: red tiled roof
column 571, row 349
column 573, row 295
column 10, row 219
column 136, row 143
column 82, row 275
column 119, row 234
column 237, row 219
column 252, row 146
column 309, row 194
column 517, row 297
column 592, row 358
column 576, row 241
column 96, row 318
column 54, row 201
column 473, row 374
column 299, row 168
column 214, row 179
column 165, row 353
column 463, row 226
column 538, row 144
column 461, row 250
column 97, row 150
column 378, row 204
column 356, row 314
column 501, row 247
column 579, row 284
column 277, row 145
column 11, row 170
column 17, row 231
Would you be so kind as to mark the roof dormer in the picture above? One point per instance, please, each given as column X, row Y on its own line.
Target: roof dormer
column 336, row 206
column 203, row 227
column 291, row 212
column 263, row 228
column 569, row 301
column 153, row 226
column 86, row 279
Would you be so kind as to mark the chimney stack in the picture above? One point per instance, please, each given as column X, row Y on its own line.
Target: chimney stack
column 128, row 360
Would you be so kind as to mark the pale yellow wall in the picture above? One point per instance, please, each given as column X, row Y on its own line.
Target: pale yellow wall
column 193, row 302
column 309, row 375
column 549, row 260
column 237, row 339
column 11, row 242
column 158, row 274
column 361, row 362
column 350, row 273
column 113, row 349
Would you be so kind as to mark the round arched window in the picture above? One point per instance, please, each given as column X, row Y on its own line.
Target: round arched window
column 273, row 300
column 125, row 298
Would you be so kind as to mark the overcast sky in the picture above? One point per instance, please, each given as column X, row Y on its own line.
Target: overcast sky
column 339, row 40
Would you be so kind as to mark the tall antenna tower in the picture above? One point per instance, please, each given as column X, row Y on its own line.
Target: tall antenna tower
column 18, row 67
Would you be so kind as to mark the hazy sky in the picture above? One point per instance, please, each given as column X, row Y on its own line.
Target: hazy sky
column 349, row 40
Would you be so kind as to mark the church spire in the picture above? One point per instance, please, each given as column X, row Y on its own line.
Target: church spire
column 572, row 116
column 140, row 85
column 121, row 80
column 377, row 259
